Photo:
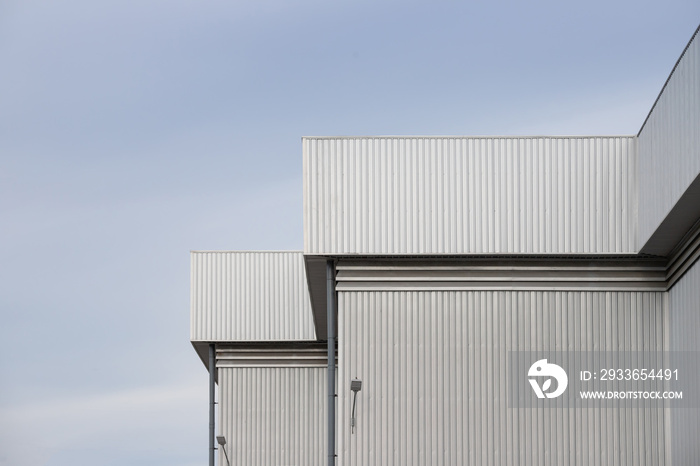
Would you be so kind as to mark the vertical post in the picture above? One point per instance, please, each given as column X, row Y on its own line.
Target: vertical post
column 330, row 319
column 212, row 400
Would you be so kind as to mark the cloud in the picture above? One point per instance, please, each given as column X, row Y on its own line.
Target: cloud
column 156, row 421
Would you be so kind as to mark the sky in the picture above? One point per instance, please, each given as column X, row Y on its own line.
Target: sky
column 132, row 132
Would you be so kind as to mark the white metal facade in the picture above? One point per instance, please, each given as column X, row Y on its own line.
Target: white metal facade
column 669, row 143
column 459, row 195
column 449, row 253
column 684, row 324
column 273, row 415
column 249, row 296
column 434, row 365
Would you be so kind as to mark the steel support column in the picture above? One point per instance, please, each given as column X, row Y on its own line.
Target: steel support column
column 330, row 317
column 212, row 401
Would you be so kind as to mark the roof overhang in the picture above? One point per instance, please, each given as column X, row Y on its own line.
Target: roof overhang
column 629, row 272
column 316, row 281
column 679, row 222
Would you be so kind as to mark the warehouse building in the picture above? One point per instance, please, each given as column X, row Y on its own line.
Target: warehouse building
column 431, row 265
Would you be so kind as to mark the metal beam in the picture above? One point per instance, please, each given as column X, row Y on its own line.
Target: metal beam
column 330, row 319
column 212, row 401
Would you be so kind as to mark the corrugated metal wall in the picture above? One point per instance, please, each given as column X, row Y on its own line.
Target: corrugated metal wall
column 684, row 333
column 457, row 195
column 249, row 296
column 433, row 366
column 273, row 416
column 500, row 275
column 669, row 144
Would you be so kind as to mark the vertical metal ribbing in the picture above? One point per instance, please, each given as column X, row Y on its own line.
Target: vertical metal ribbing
column 330, row 316
column 212, row 401
column 530, row 195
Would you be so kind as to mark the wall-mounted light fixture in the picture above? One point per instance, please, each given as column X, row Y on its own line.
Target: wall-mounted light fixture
column 355, row 386
column 222, row 441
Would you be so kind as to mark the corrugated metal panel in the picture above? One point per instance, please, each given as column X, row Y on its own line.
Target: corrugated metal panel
column 433, row 367
column 459, row 195
column 271, row 357
column 273, row 416
column 480, row 276
column 249, row 296
column 684, row 258
column 684, row 325
column 669, row 143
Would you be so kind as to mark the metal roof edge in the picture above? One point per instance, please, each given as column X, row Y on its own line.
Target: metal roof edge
column 663, row 88
column 411, row 136
column 254, row 251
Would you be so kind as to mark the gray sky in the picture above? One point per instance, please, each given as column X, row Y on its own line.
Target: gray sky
column 132, row 132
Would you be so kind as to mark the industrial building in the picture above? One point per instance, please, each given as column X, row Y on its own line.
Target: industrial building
column 428, row 263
